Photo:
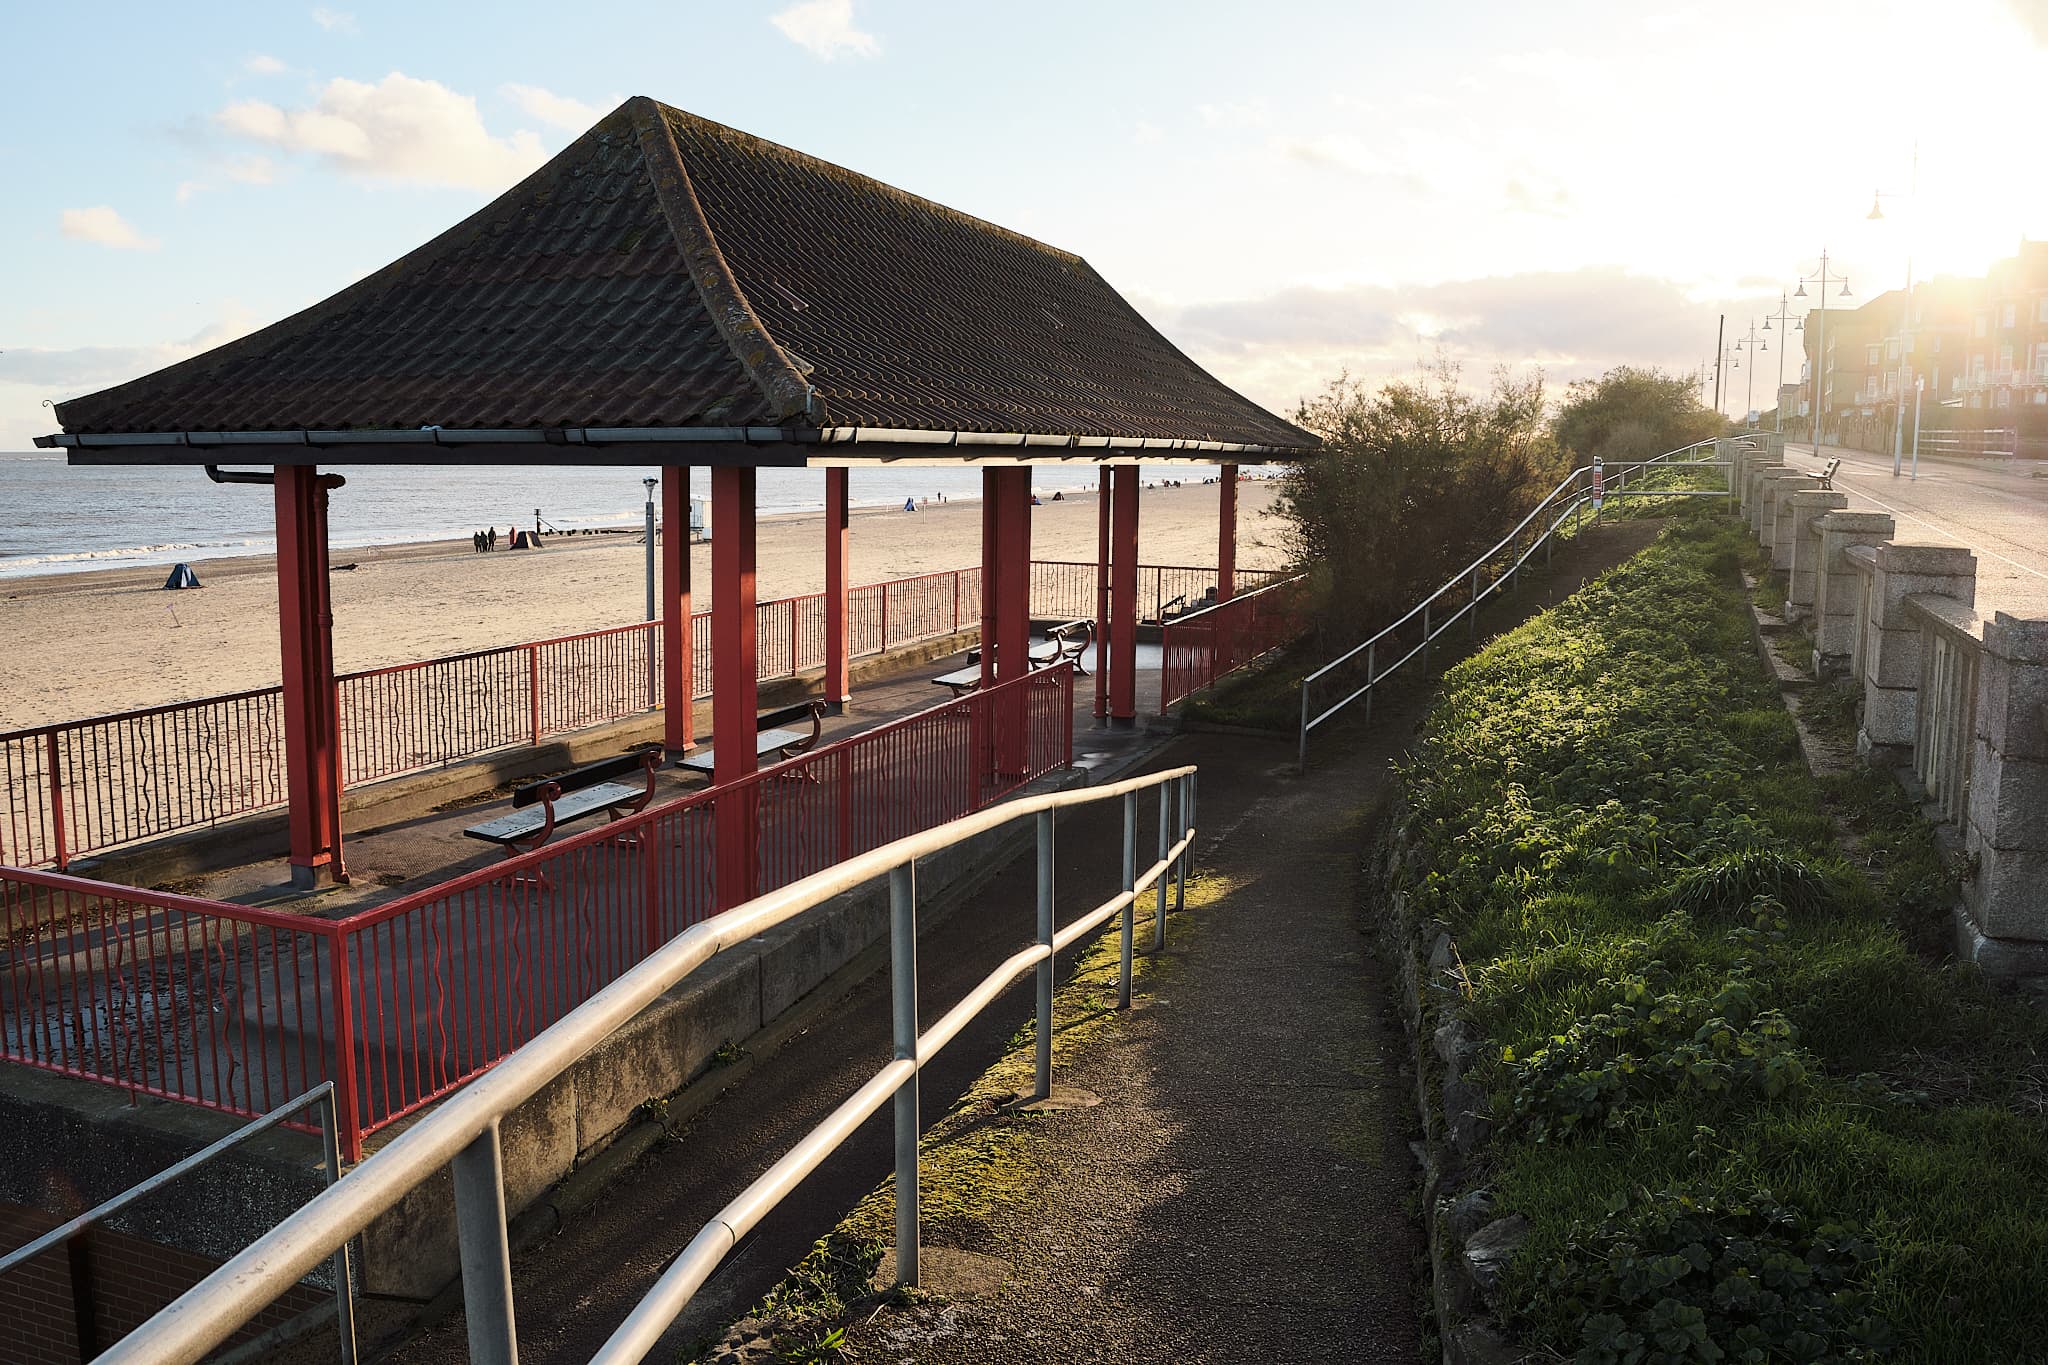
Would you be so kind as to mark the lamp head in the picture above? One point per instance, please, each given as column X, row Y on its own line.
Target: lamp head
column 1876, row 206
column 1800, row 292
column 1845, row 290
column 1767, row 324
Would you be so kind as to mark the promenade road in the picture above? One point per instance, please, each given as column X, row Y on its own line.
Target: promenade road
column 1996, row 507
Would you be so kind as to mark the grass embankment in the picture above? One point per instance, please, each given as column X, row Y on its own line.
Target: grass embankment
column 1746, row 1120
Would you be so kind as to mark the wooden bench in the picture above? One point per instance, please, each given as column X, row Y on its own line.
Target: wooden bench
column 771, row 741
column 1063, row 644
column 568, row 797
column 1827, row 473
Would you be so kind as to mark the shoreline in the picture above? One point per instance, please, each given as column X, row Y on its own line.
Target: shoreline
column 102, row 641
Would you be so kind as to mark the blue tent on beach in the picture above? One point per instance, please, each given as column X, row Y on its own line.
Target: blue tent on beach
column 182, row 577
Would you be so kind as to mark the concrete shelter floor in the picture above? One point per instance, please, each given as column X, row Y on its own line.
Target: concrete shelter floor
column 396, row 860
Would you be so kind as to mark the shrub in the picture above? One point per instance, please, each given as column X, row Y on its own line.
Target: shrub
column 1686, row 1275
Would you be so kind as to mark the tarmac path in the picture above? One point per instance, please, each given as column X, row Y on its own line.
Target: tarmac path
column 1244, row 1191
column 1995, row 507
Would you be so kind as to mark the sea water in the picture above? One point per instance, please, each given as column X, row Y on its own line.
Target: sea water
column 56, row 518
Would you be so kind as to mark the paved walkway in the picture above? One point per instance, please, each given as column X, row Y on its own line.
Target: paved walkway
column 1995, row 507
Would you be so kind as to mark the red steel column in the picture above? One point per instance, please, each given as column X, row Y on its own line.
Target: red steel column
column 735, row 671
column 1010, row 492
column 1123, row 601
column 1226, row 536
column 306, row 633
column 838, row 677
column 678, row 667
column 1102, row 504
column 991, row 570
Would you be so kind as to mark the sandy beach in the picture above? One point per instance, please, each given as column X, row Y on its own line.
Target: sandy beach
column 84, row 644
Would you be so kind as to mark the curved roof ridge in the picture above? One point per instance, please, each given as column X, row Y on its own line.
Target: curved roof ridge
column 909, row 196
column 742, row 327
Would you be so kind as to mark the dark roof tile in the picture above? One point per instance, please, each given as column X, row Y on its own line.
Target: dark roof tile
column 668, row 271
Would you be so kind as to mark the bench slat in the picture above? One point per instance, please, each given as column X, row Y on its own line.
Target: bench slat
column 572, row 806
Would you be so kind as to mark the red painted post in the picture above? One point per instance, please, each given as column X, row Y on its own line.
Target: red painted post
column 678, row 724
column 838, row 677
column 54, row 762
column 306, row 635
column 1010, row 491
column 348, row 1124
column 1103, row 500
column 533, row 689
column 1123, row 588
column 1226, row 536
column 735, row 673
column 990, row 569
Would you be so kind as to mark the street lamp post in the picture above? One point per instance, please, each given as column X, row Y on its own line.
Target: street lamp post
column 1905, row 322
column 651, row 485
column 1781, row 317
column 1820, row 343
column 1750, row 343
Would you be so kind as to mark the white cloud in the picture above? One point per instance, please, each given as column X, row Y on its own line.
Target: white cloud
column 334, row 21
column 824, row 28
column 101, row 224
column 558, row 111
column 1235, row 114
column 261, row 65
column 1147, row 133
column 188, row 190
column 401, row 128
column 31, row 376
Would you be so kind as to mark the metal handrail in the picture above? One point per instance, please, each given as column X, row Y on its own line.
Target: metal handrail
column 1470, row 575
column 320, row 1096
column 463, row 1131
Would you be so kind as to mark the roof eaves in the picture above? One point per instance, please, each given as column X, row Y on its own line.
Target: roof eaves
column 744, row 332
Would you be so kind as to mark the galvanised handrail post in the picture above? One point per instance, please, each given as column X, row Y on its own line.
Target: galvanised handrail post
column 344, row 1297
column 486, row 1251
column 1184, row 804
column 1165, row 843
column 1043, row 1040
column 1427, row 634
column 903, row 1002
column 1123, row 985
column 1474, row 631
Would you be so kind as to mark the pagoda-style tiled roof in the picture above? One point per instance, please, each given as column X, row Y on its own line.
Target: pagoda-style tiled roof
column 667, row 272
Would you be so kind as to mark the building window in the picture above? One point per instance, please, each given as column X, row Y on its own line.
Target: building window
column 2005, row 358
column 2007, row 318
column 2041, row 311
column 2004, row 398
column 1937, row 345
column 1870, row 355
column 1891, row 350
column 1983, row 325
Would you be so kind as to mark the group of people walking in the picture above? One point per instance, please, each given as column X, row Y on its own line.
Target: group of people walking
column 483, row 542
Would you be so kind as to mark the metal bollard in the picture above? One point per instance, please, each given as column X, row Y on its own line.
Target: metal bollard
column 903, row 1001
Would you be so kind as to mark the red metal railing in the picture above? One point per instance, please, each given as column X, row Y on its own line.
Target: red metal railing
column 234, row 1008
column 1197, row 650
column 1066, row 588
column 86, row 786
column 197, row 1000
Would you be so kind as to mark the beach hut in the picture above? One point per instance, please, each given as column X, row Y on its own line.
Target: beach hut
column 671, row 291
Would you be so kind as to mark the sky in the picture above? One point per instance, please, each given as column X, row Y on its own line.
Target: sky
column 1289, row 190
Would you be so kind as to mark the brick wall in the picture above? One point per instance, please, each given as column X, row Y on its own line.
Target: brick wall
column 112, row 1280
